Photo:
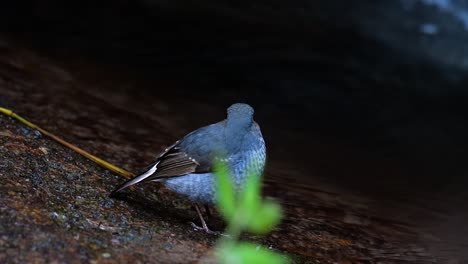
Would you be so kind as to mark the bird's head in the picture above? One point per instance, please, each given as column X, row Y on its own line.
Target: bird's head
column 238, row 124
column 240, row 114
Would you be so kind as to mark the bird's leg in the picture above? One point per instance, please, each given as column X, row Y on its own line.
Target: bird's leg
column 204, row 226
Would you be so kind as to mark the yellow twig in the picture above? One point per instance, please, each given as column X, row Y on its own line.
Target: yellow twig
column 88, row 155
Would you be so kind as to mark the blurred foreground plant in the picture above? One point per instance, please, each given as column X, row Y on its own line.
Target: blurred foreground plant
column 245, row 211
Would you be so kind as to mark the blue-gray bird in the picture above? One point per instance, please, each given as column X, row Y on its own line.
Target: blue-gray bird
column 186, row 167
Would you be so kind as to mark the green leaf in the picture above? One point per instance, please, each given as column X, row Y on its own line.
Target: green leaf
column 249, row 253
column 266, row 218
column 249, row 199
column 225, row 194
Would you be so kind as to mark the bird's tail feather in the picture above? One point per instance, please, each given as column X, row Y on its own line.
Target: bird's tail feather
column 137, row 179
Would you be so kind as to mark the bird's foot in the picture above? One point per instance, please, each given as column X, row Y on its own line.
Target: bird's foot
column 205, row 228
column 208, row 231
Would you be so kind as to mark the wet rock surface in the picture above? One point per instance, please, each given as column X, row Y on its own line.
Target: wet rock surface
column 55, row 205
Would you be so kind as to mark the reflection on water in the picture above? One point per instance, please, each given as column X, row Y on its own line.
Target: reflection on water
column 458, row 9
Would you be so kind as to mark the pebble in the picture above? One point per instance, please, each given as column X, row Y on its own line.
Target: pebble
column 168, row 247
column 72, row 176
column 44, row 150
column 108, row 203
column 29, row 133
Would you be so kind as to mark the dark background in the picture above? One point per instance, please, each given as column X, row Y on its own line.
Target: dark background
column 368, row 96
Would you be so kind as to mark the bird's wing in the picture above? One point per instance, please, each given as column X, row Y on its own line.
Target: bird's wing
column 192, row 154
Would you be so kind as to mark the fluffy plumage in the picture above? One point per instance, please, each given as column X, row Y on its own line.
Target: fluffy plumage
column 186, row 167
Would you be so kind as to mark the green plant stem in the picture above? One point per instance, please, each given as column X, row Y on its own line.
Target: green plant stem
column 234, row 230
column 82, row 152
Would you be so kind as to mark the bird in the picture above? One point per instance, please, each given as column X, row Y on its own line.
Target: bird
column 187, row 166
